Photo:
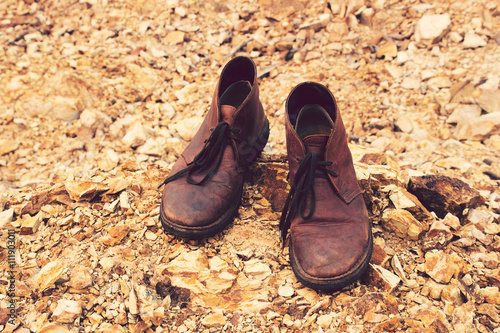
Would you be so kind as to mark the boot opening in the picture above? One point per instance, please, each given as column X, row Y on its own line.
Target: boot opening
column 236, row 94
column 313, row 119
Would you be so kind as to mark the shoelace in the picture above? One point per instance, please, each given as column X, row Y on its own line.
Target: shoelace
column 209, row 157
column 303, row 184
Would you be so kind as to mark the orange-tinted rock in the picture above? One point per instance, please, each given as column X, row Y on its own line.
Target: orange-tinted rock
column 80, row 278
column 379, row 256
column 272, row 179
column 49, row 274
column 402, row 199
column 381, row 278
column 402, row 223
column 383, row 303
column 66, row 311
column 490, row 310
column 389, row 325
column 443, row 194
column 84, row 190
column 440, row 266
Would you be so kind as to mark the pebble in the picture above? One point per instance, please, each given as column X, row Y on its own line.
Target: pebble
column 135, row 136
column 150, row 235
column 402, row 57
column 405, row 124
column 472, row 41
column 402, row 223
column 49, row 274
column 381, row 278
column 456, row 37
column 175, row 37
column 213, row 320
column 286, row 291
column 81, row 277
column 440, row 266
column 489, row 100
column 389, row 50
column 6, row 217
column 66, row 311
column 324, row 321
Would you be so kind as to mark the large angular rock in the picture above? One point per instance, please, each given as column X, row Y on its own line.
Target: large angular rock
column 6, row 217
column 148, row 302
column 489, row 100
column 485, row 126
column 81, row 277
column 464, row 113
column 490, row 310
column 219, row 278
column 431, row 28
column 49, row 274
column 187, row 127
column 491, row 295
column 472, row 41
column 55, row 107
column 214, row 320
column 30, row 224
column 441, row 266
column 135, row 136
column 443, row 194
column 439, row 232
column 402, row 223
column 80, row 190
column 402, row 199
column 66, row 311
column 7, row 146
column 479, row 128
column 381, row 278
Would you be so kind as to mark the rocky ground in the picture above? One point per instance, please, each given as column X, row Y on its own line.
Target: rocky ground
column 99, row 98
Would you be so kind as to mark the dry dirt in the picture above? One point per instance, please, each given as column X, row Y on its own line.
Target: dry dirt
column 99, row 98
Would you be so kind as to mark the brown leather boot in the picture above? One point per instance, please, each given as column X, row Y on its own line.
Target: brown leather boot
column 330, row 234
column 203, row 192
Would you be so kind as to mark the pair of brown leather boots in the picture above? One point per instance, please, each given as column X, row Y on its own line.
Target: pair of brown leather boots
column 330, row 234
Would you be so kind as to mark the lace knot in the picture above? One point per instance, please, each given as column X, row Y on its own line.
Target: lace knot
column 210, row 156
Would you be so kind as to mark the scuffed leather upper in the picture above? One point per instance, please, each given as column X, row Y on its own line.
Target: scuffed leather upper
column 195, row 206
column 335, row 238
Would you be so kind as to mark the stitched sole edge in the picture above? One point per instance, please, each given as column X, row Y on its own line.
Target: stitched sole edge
column 336, row 283
column 228, row 217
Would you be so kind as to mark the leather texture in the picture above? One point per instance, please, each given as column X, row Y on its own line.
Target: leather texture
column 199, row 211
column 333, row 247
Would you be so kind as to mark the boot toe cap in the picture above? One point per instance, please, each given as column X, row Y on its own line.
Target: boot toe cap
column 199, row 211
column 326, row 252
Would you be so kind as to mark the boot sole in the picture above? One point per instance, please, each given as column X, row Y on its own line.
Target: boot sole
column 222, row 222
column 334, row 283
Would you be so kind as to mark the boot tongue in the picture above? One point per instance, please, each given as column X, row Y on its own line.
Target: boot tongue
column 316, row 143
column 227, row 112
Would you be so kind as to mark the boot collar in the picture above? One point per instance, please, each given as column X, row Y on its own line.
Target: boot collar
column 336, row 150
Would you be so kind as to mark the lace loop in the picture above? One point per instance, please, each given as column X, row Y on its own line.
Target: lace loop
column 210, row 156
column 302, row 187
